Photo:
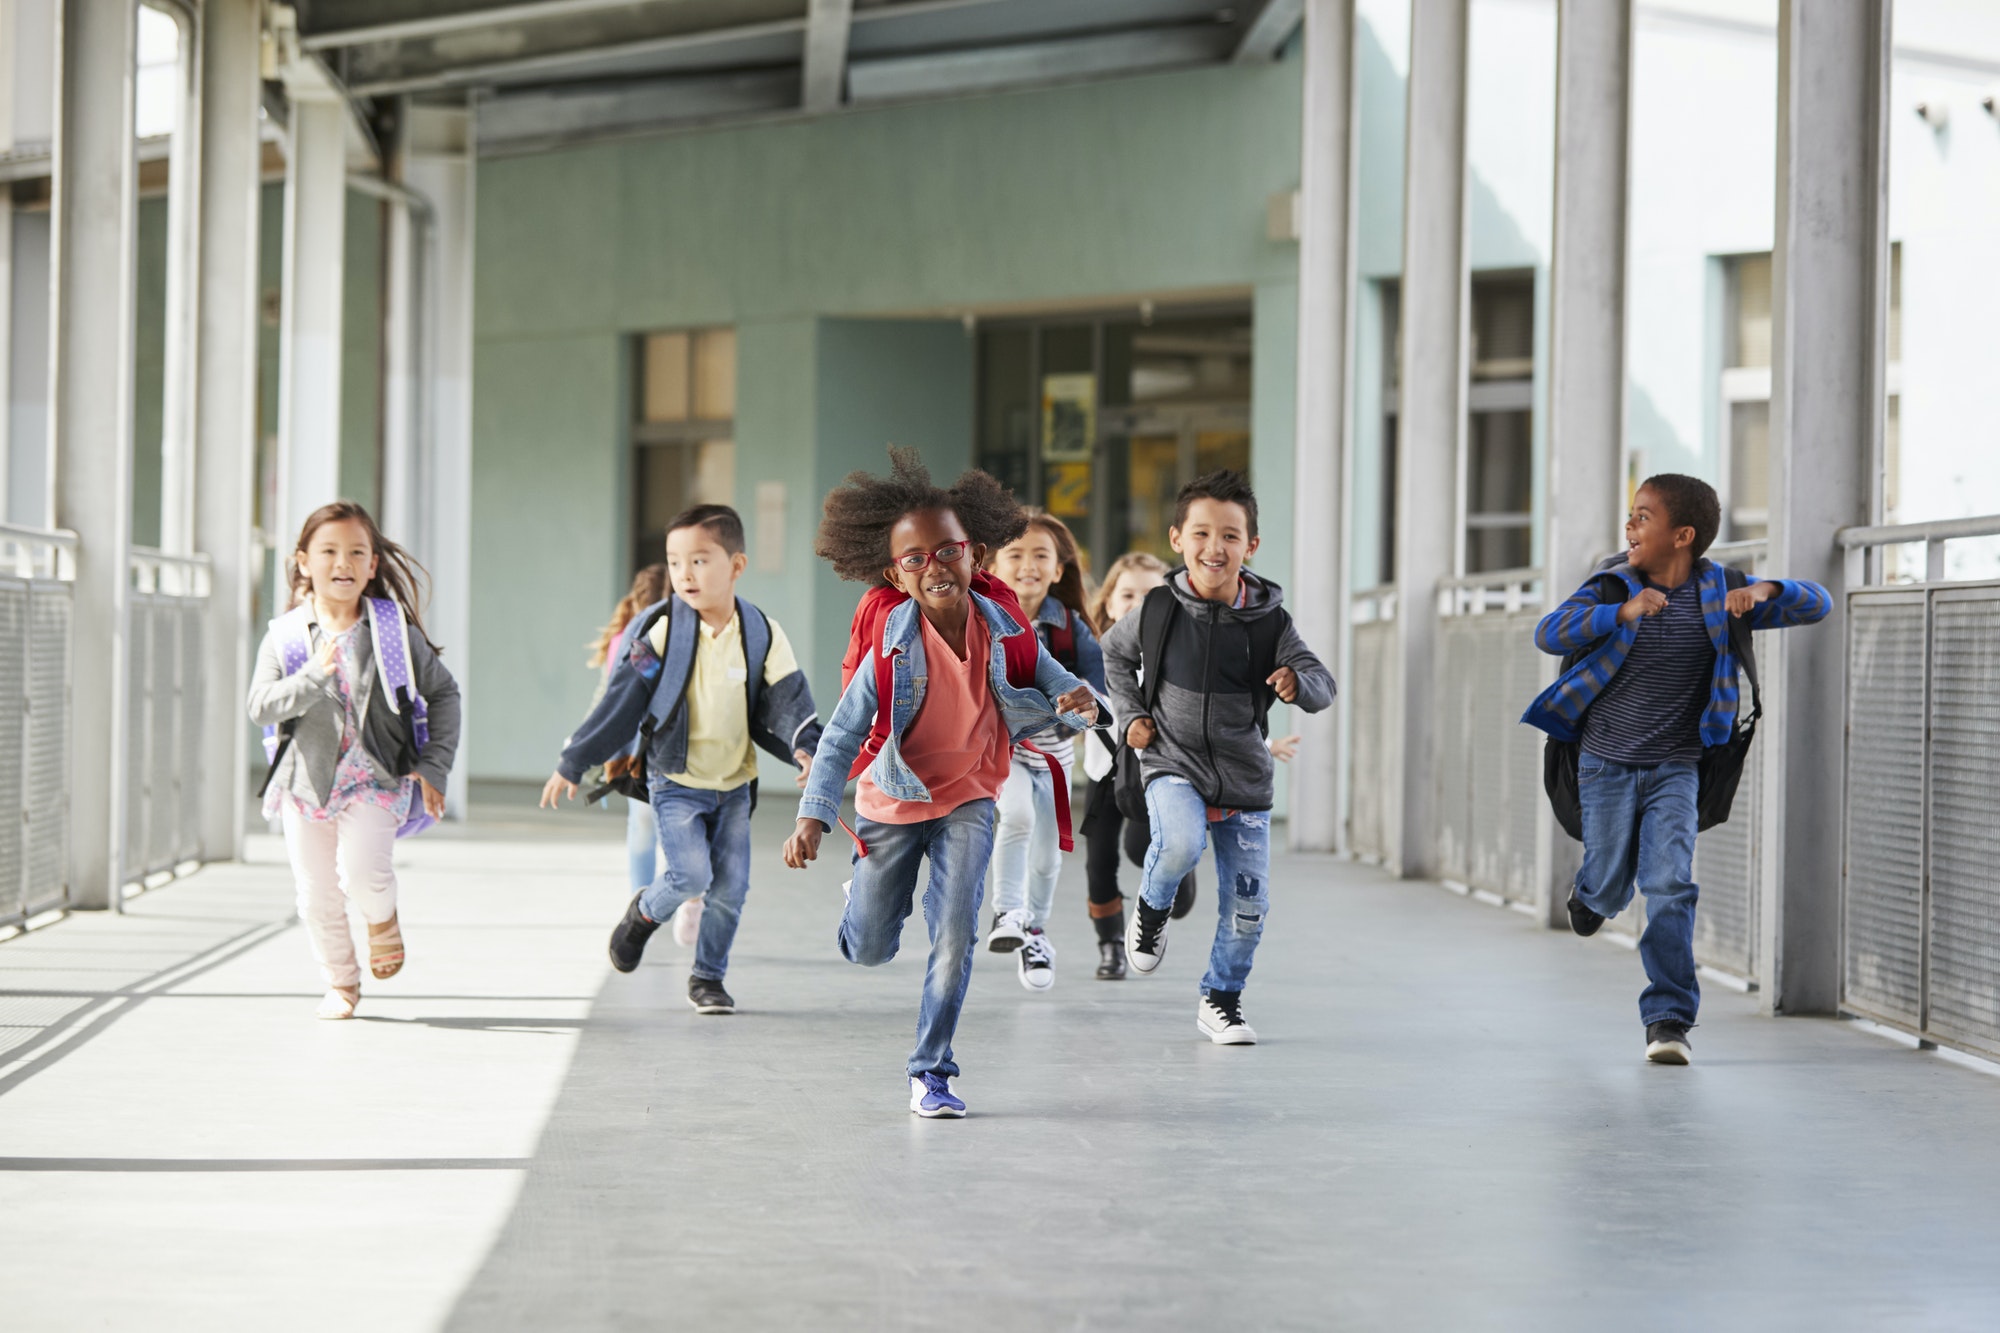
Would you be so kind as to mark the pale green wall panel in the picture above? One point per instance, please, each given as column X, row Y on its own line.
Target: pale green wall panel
column 361, row 353
column 149, row 385
column 546, row 554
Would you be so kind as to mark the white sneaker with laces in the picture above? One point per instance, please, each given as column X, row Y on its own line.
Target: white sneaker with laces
column 1220, row 1019
column 1010, row 931
column 1037, row 962
column 687, row 923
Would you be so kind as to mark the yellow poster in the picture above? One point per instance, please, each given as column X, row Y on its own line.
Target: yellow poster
column 1066, row 487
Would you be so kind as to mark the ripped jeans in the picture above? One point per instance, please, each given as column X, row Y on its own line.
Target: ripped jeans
column 1242, row 866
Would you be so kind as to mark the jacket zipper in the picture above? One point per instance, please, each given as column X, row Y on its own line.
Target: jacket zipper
column 1208, row 692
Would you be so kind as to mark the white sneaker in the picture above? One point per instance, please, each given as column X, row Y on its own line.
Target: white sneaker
column 1145, row 936
column 1220, row 1019
column 687, row 923
column 1010, row 931
column 1038, row 962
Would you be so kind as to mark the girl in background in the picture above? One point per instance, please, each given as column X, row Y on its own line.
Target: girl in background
column 340, row 804
column 1125, row 586
column 642, row 835
column 1044, row 570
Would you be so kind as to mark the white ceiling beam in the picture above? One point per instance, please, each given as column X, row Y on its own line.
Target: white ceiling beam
column 439, row 25
column 1270, row 30
column 827, row 26
column 1033, row 63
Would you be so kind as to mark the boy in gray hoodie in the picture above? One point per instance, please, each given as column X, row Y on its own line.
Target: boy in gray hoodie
column 1192, row 678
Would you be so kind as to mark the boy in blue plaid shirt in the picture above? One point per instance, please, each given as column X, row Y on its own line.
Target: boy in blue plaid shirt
column 1657, row 685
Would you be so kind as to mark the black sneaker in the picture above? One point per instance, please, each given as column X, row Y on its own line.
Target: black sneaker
column 708, row 997
column 1184, row 897
column 1111, row 960
column 1581, row 919
column 1667, row 1043
column 629, row 936
column 1145, row 936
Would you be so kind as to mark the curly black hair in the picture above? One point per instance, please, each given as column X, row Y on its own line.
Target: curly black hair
column 860, row 512
column 1690, row 502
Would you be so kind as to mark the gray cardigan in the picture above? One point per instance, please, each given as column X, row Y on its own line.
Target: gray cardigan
column 311, row 695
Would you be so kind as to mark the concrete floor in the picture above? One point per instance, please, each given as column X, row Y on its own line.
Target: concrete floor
column 1448, row 1126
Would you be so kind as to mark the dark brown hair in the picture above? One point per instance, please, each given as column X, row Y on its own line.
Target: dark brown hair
column 649, row 585
column 719, row 521
column 1227, row 486
column 860, row 513
column 1068, row 587
column 398, row 576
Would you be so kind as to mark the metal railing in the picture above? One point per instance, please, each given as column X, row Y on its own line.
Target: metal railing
column 1920, row 892
column 163, row 768
column 37, row 569
column 1489, row 767
column 1373, row 737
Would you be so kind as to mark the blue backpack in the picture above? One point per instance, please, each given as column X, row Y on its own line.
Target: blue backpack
column 411, row 731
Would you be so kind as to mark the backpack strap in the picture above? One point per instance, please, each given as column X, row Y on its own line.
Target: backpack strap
column 390, row 631
column 756, row 649
column 1156, row 616
column 676, row 662
column 1266, row 633
column 294, row 635
column 1062, row 640
column 1740, row 645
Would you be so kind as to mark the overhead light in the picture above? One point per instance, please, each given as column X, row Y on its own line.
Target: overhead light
column 1934, row 114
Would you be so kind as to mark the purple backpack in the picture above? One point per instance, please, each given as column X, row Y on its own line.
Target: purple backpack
column 390, row 634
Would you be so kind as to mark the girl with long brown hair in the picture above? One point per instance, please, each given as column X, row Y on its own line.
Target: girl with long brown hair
column 1045, row 569
column 334, row 782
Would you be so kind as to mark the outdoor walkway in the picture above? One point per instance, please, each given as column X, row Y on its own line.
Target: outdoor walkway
column 1448, row 1126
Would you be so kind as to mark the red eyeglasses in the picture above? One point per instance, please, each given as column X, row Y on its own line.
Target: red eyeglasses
column 916, row 562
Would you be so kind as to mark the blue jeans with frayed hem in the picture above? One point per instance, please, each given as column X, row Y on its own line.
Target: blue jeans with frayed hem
column 1638, row 833
column 1242, row 870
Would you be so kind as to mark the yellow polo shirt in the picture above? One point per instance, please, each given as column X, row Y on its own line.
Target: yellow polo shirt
column 720, row 756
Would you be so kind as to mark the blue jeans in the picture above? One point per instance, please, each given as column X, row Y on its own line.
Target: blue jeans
column 1242, row 870
column 1027, row 855
column 1638, row 831
column 880, row 900
column 642, row 843
column 705, row 838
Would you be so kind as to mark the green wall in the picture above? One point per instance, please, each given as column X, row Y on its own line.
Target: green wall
column 805, row 236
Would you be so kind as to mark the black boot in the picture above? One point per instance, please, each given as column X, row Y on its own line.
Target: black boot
column 629, row 936
column 1111, row 946
column 1111, row 960
column 1184, row 896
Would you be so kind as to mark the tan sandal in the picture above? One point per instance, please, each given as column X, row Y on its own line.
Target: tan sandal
column 339, row 1002
column 385, row 949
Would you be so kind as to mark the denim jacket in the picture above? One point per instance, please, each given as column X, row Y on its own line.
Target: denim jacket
column 1024, row 712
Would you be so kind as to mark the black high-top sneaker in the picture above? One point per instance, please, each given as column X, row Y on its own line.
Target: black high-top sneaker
column 1667, row 1043
column 629, row 936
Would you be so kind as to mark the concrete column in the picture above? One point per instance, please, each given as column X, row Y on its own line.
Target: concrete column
column 1586, row 429
column 177, row 462
column 1829, row 297
column 225, row 406
column 1431, row 415
column 1326, row 277
column 439, row 164
column 94, row 222
column 309, row 349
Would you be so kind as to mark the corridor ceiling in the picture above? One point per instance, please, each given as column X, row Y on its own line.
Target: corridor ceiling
column 541, row 73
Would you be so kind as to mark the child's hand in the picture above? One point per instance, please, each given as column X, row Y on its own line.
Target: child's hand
column 1079, row 701
column 556, row 786
column 803, row 845
column 1140, row 734
column 1284, row 748
column 1740, row 600
column 329, row 655
column 1649, row 602
column 433, row 799
column 805, row 769
column 1286, row 682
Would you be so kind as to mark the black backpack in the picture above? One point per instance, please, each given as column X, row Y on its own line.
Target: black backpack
column 1721, row 768
column 1156, row 618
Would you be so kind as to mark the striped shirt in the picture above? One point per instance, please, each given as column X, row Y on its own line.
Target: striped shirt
column 1649, row 712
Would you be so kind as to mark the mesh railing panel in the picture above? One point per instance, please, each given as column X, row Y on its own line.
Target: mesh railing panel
column 1726, row 858
column 1489, row 765
column 1881, row 917
column 13, row 747
column 1964, row 992
column 138, row 737
column 164, row 748
column 191, row 770
column 1373, row 711
column 46, row 794
column 164, row 737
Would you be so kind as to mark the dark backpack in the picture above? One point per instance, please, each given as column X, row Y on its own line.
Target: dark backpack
column 1721, row 768
column 1156, row 620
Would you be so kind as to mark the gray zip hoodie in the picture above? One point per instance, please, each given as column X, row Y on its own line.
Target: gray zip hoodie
column 1205, row 718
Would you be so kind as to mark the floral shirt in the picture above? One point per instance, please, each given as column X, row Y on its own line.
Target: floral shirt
column 353, row 778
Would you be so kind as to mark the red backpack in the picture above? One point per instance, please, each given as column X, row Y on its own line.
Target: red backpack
column 864, row 639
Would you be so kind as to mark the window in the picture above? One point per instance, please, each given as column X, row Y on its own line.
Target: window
column 1499, row 438
column 1102, row 421
column 1745, row 393
column 684, row 438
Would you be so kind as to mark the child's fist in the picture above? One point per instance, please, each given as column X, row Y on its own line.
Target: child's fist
column 1079, row 701
column 557, row 786
column 1649, row 602
column 805, row 767
column 433, row 799
column 1140, row 734
column 1286, row 682
column 803, row 845
column 1740, row 600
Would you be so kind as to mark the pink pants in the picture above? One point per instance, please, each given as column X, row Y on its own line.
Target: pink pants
column 338, row 861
